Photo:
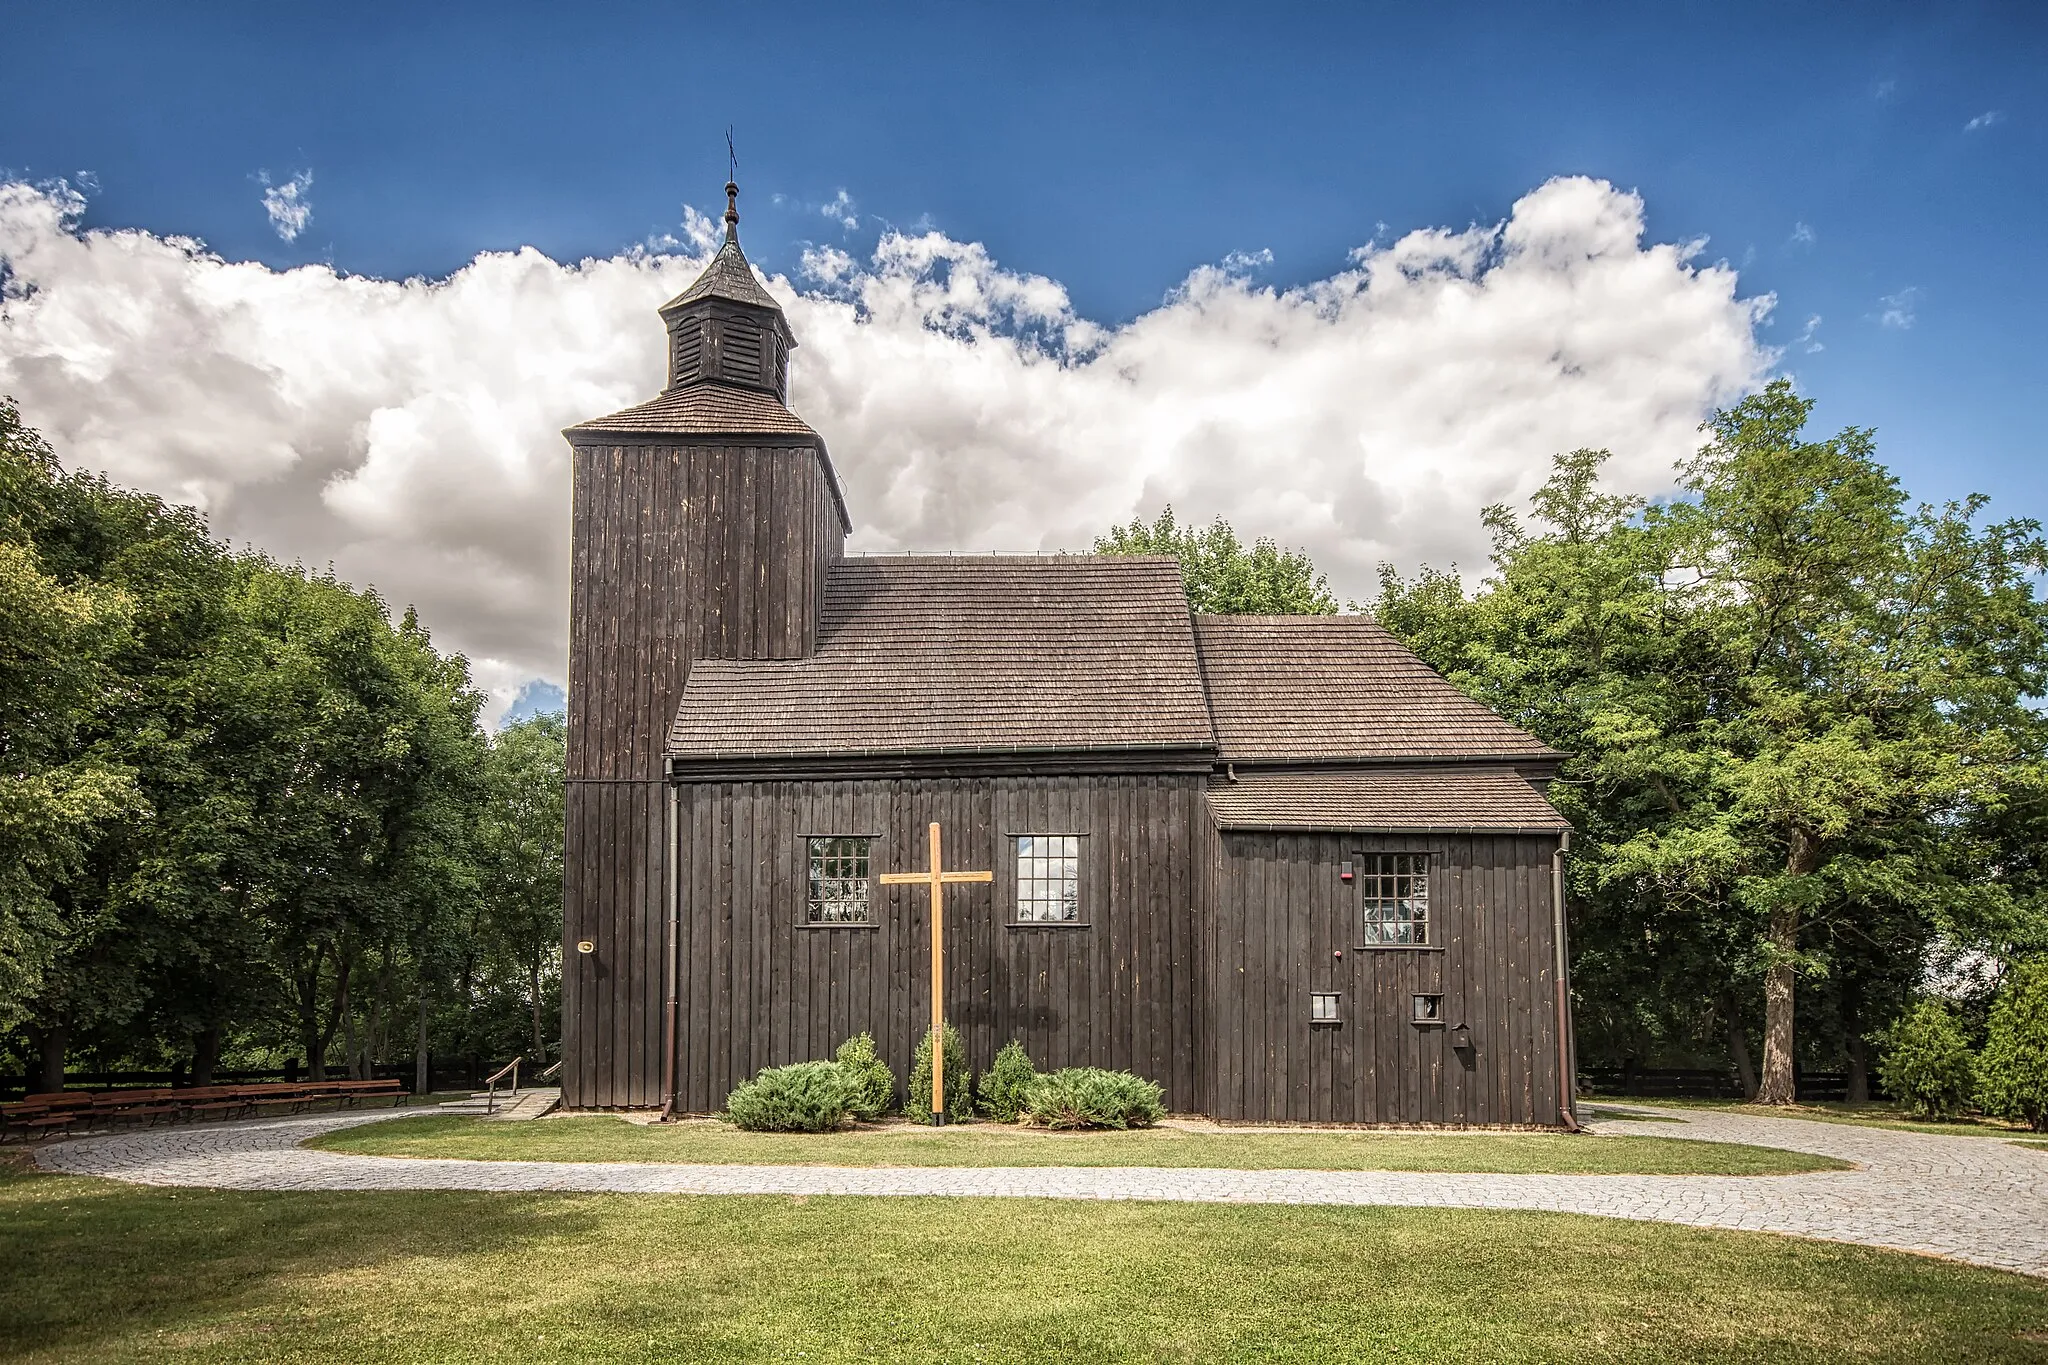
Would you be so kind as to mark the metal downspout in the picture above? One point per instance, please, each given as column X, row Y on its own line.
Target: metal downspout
column 670, row 935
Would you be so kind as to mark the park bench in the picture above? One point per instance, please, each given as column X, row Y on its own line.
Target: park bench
column 40, row 1115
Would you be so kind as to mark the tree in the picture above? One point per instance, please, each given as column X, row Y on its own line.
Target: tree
column 520, row 850
column 1222, row 574
column 59, row 636
column 2012, row 1070
column 1798, row 714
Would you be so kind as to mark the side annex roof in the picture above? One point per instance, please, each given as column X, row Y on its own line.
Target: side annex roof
column 1384, row 800
column 1335, row 689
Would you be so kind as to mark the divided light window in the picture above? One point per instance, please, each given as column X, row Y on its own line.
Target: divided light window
column 1395, row 889
column 839, row 880
column 1048, row 878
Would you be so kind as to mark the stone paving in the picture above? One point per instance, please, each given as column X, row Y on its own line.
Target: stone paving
column 1976, row 1199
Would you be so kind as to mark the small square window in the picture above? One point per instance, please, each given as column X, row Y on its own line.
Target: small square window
column 1322, row 1008
column 1048, row 878
column 839, row 880
column 1429, row 1009
column 1394, row 888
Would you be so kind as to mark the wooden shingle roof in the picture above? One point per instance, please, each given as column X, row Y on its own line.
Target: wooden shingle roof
column 942, row 654
column 1389, row 800
column 700, row 410
column 1330, row 688
column 727, row 277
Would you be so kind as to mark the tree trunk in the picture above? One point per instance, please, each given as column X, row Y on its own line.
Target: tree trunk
column 1859, row 1070
column 1779, row 1086
column 346, row 1007
column 419, row 1057
column 1738, row 1050
column 51, row 1040
column 307, row 982
column 540, row 1045
column 206, row 1054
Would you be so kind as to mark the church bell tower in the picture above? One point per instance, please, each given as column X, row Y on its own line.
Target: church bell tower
column 703, row 524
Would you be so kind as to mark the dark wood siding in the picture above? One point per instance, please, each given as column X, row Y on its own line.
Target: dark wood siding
column 683, row 552
column 1276, row 917
column 759, row 988
column 679, row 552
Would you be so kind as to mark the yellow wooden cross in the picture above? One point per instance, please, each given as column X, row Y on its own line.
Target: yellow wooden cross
column 936, row 879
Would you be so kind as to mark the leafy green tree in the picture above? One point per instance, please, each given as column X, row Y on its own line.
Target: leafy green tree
column 1799, row 717
column 1926, row 1063
column 1223, row 575
column 2012, row 1070
column 519, row 846
column 59, row 637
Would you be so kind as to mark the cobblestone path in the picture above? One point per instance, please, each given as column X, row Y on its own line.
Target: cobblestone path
column 1976, row 1199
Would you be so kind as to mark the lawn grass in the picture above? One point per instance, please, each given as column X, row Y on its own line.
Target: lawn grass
column 599, row 1138
column 98, row 1271
column 1872, row 1115
column 2030, row 1142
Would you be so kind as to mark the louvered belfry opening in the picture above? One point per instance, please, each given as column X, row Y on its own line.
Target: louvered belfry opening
column 727, row 329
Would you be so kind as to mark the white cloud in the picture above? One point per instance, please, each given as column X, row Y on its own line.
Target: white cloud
column 1983, row 120
column 841, row 210
column 408, row 432
column 1803, row 235
column 289, row 208
column 1808, row 339
column 1898, row 311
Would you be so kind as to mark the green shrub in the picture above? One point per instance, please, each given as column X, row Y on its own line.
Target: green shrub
column 2012, row 1071
column 1004, row 1085
column 1926, row 1063
column 809, row 1097
column 1087, row 1097
column 959, row 1080
column 874, row 1084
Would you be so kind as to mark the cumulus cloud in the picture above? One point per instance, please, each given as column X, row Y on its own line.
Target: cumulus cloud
column 1983, row 121
column 408, row 431
column 289, row 208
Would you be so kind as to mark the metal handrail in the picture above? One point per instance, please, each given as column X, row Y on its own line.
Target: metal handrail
column 491, row 1097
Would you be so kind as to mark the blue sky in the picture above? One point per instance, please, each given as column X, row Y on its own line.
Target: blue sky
column 1883, row 168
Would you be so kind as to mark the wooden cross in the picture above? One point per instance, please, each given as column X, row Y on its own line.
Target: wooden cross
column 936, row 879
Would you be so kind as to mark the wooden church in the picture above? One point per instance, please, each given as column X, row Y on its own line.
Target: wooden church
column 1275, row 864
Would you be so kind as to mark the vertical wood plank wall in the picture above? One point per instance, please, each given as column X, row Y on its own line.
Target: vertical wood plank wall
column 759, row 988
column 682, row 551
column 1279, row 914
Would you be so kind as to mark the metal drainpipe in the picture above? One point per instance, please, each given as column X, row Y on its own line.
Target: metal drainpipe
column 1565, row 1078
column 670, row 935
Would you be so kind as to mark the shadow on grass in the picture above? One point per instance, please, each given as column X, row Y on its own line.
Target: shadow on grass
column 96, row 1271
column 90, row 1263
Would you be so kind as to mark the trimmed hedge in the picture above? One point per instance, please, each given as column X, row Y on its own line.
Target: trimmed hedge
column 1005, row 1085
column 1926, row 1063
column 809, row 1097
column 1088, row 1097
column 874, row 1084
column 917, row 1101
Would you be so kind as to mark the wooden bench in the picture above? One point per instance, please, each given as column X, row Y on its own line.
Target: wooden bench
column 44, row 1114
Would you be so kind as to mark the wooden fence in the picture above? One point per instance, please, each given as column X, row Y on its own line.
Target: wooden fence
column 1681, row 1083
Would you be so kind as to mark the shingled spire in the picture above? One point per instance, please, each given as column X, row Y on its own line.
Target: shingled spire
column 725, row 328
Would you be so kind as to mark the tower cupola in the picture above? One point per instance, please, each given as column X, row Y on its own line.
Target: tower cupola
column 725, row 328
